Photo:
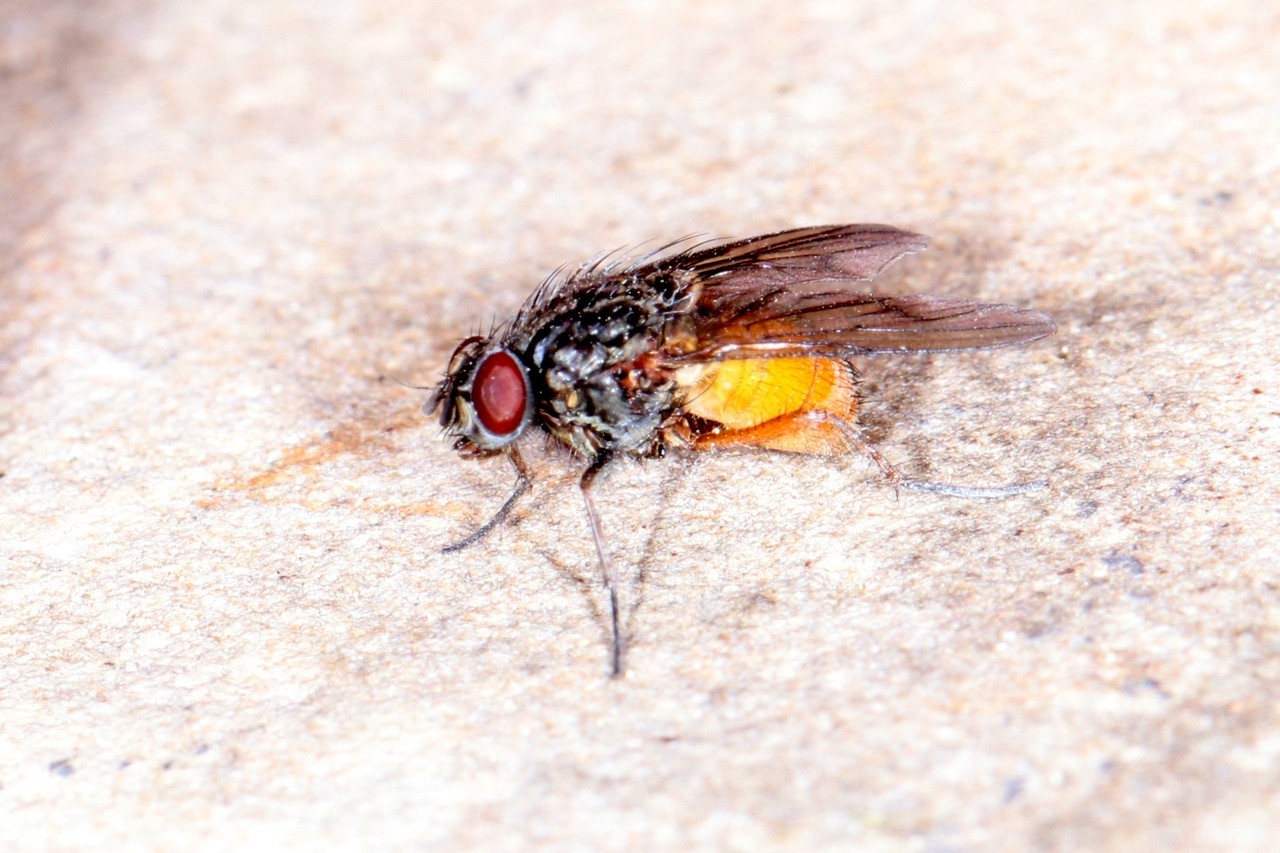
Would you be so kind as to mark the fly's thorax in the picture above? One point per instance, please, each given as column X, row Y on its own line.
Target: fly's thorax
column 594, row 368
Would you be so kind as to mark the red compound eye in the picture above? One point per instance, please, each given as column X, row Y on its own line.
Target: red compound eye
column 499, row 393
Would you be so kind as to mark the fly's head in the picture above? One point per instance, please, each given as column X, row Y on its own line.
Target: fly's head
column 485, row 400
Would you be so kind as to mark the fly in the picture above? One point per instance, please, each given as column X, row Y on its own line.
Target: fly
column 719, row 344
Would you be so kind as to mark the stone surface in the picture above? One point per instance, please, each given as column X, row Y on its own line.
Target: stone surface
column 229, row 227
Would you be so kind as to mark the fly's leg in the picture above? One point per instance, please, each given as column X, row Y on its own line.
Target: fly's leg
column 813, row 431
column 956, row 491
column 523, row 483
column 855, row 442
column 606, row 567
column 826, row 433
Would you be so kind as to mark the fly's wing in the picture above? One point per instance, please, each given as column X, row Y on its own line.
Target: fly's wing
column 819, row 253
column 794, row 294
column 783, row 324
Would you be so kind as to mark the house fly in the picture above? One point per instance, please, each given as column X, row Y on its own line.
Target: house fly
column 704, row 345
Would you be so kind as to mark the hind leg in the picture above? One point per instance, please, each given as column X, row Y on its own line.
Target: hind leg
column 815, row 432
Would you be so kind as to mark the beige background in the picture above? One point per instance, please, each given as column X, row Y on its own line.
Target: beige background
column 224, row 615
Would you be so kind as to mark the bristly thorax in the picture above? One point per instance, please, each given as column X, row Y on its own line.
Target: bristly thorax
column 589, row 346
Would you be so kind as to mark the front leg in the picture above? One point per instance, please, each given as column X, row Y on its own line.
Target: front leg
column 523, row 484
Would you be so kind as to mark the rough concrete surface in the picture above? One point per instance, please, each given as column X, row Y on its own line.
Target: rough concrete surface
column 228, row 228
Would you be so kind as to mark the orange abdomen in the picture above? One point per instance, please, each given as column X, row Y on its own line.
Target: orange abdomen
column 771, row 403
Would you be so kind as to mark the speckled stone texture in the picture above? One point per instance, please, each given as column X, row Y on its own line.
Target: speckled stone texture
column 226, row 230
